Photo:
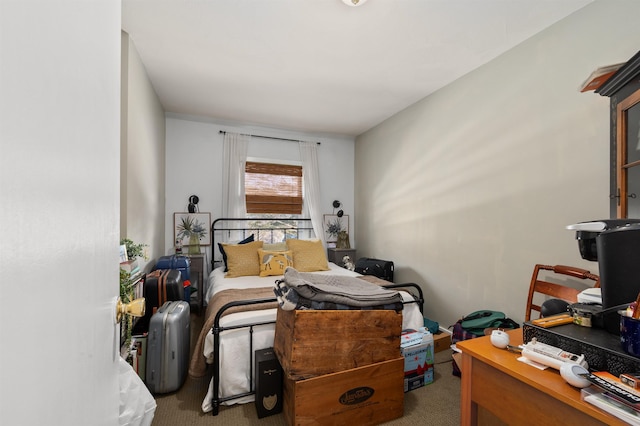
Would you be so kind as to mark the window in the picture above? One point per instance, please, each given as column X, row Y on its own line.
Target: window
column 273, row 188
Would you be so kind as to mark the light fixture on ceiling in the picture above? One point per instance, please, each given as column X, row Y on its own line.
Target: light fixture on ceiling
column 354, row 2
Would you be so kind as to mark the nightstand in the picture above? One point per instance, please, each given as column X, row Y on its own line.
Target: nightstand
column 335, row 255
column 197, row 279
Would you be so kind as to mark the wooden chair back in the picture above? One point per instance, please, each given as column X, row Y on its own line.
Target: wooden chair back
column 553, row 290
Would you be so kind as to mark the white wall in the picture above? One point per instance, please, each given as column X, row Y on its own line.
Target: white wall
column 485, row 174
column 194, row 165
column 142, row 176
column 59, row 210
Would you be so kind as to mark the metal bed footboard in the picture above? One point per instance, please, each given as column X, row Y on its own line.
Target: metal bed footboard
column 217, row 329
column 409, row 288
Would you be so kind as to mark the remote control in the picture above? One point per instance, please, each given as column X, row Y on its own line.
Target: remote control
column 550, row 355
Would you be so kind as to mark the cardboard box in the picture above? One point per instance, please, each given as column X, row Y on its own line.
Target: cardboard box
column 441, row 342
column 414, row 382
column 318, row 342
column 418, row 360
column 367, row 395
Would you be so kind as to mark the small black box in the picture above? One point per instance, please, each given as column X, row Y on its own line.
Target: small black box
column 268, row 374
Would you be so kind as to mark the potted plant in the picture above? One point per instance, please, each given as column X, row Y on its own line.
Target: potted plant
column 128, row 280
column 126, row 296
column 133, row 250
column 192, row 229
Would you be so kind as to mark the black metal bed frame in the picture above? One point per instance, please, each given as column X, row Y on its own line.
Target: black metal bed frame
column 288, row 228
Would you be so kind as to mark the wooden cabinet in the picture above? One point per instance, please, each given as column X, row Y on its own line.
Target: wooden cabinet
column 624, row 90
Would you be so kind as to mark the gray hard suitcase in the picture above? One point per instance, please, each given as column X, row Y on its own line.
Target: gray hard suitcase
column 168, row 347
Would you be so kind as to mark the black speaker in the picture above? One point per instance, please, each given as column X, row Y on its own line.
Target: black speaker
column 268, row 374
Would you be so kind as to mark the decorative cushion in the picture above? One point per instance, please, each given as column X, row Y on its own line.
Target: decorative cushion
column 274, row 262
column 221, row 247
column 308, row 255
column 242, row 259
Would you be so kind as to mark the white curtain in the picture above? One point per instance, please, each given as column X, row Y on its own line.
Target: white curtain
column 309, row 156
column 235, row 157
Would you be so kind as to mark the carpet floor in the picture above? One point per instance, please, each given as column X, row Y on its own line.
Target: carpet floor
column 437, row 404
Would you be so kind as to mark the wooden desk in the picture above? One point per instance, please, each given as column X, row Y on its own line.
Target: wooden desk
column 498, row 389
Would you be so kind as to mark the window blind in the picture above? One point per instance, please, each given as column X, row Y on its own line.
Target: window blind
column 273, row 188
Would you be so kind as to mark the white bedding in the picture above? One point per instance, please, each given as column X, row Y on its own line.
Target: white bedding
column 234, row 344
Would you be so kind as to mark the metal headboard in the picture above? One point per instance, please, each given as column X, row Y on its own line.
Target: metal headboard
column 267, row 229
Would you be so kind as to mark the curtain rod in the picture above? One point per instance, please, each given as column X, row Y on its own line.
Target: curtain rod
column 270, row 137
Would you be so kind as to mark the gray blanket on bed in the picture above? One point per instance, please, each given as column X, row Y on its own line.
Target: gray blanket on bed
column 339, row 289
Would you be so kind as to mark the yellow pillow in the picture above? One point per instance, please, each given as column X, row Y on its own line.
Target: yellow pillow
column 274, row 262
column 242, row 259
column 308, row 255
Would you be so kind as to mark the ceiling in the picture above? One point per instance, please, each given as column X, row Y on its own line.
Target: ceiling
column 319, row 66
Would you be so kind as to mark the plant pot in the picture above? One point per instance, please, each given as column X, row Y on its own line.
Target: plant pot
column 194, row 244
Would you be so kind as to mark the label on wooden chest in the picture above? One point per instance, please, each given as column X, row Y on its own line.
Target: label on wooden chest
column 356, row 395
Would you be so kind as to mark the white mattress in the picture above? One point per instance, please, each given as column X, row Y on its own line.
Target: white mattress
column 234, row 344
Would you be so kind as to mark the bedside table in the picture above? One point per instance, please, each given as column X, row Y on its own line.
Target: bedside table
column 197, row 279
column 335, row 255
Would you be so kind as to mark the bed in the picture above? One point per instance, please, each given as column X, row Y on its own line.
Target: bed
column 242, row 307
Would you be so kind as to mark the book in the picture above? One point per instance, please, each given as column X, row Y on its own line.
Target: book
column 616, row 381
column 130, row 266
column 615, row 388
column 123, row 253
column 598, row 77
column 598, row 398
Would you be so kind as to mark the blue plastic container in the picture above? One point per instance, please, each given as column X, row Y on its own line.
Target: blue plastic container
column 630, row 335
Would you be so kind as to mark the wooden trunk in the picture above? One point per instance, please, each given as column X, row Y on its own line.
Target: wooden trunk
column 316, row 342
column 367, row 395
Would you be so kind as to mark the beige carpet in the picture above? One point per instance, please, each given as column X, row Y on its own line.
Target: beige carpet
column 435, row 404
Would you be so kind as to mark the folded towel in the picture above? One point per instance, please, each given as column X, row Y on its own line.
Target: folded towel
column 290, row 300
column 338, row 289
